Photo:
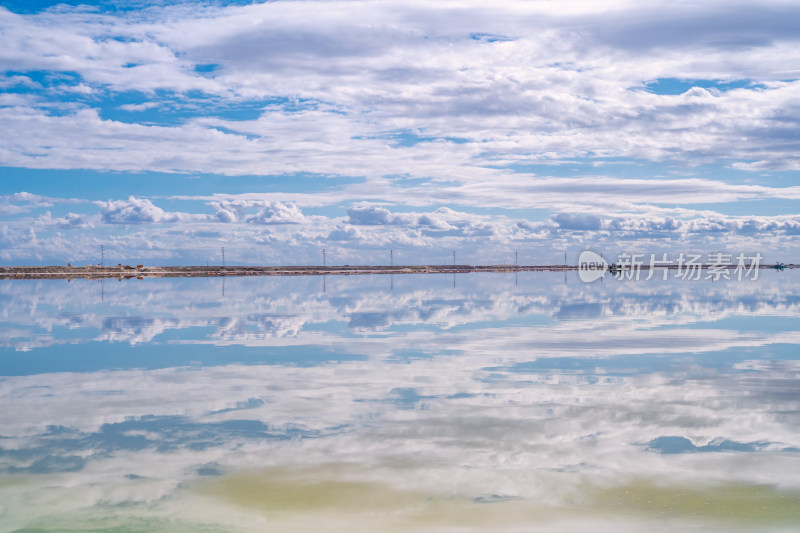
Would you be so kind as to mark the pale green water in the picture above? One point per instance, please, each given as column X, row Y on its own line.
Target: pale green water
column 373, row 403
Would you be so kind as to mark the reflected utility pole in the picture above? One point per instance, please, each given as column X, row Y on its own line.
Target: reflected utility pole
column 324, row 274
column 223, row 271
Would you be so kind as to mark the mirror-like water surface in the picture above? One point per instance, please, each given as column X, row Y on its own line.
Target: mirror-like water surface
column 482, row 402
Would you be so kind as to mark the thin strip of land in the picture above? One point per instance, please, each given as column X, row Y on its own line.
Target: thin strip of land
column 141, row 272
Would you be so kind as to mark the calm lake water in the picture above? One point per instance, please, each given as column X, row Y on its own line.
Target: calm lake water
column 481, row 402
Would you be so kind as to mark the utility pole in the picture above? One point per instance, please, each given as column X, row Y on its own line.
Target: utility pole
column 516, row 258
column 454, row 258
column 324, row 261
column 391, row 257
column 223, row 257
column 102, row 253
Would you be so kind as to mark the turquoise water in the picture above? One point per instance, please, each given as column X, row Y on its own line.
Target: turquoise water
column 480, row 402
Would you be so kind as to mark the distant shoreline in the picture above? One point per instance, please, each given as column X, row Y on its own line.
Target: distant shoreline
column 128, row 272
column 141, row 272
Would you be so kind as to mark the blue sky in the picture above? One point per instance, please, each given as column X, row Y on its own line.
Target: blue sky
column 164, row 130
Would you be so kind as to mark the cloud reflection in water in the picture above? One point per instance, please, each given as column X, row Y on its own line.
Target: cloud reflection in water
column 164, row 398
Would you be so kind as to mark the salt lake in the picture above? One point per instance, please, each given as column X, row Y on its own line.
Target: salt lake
column 476, row 402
